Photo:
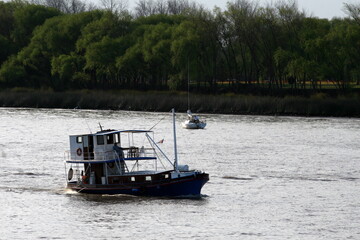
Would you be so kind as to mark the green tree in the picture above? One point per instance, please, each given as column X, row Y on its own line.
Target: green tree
column 101, row 60
column 109, row 24
column 13, row 74
column 7, row 22
column 342, row 51
column 6, row 48
column 65, row 71
column 185, row 52
column 156, row 50
column 55, row 37
column 7, row 18
column 27, row 18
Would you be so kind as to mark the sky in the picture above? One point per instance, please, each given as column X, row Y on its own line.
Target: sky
column 316, row 8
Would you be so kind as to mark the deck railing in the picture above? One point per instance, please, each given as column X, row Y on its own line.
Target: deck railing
column 131, row 152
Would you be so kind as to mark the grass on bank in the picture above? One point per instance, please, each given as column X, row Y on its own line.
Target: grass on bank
column 316, row 105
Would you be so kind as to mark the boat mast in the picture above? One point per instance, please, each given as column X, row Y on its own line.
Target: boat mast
column 175, row 147
column 188, row 77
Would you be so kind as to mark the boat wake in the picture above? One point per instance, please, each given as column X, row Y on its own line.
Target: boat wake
column 316, row 178
column 25, row 189
column 30, row 174
column 238, row 178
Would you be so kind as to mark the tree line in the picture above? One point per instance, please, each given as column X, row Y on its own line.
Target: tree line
column 163, row 44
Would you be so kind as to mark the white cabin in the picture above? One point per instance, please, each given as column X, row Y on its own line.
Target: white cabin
column 99, row 146
column 94, row 155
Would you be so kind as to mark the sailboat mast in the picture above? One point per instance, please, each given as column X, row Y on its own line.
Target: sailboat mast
column 175, row 146
column 188, row 77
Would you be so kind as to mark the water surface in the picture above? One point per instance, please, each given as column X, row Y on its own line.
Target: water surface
column 270, row 178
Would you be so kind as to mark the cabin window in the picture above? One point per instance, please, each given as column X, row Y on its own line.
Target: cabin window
column 109, row 139
column 78, row 139
column 166, row 176
column 148, row 178
column 100, row 140
column 133, row 179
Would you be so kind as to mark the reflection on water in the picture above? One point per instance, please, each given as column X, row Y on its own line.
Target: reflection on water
column 270, row 178
column 128, row 199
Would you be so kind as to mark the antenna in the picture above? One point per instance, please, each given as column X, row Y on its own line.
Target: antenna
column 88, row 126
column 83, row 117
column 100, row 127
column 175, row 147
column 157, row 123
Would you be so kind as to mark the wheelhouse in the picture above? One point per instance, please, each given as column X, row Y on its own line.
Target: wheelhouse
column 95, row 159
column 99, row 146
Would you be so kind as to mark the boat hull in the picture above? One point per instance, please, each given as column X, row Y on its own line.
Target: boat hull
column 183, row 186
column 192, row 125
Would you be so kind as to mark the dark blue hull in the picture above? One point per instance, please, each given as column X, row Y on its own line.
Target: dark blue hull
column 186, row 186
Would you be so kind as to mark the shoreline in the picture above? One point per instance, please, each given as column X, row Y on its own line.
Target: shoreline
column 317, row 105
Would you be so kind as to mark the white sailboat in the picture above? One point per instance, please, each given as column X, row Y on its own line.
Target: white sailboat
column 193, row 121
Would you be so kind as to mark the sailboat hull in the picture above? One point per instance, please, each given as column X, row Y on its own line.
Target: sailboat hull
column 192, row 125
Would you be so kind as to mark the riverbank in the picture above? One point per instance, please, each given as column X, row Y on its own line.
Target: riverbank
column 315, row 105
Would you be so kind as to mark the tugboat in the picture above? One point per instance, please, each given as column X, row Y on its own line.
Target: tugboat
column 110, row 162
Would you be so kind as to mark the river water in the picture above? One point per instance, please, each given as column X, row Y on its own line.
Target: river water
column 270, row 178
